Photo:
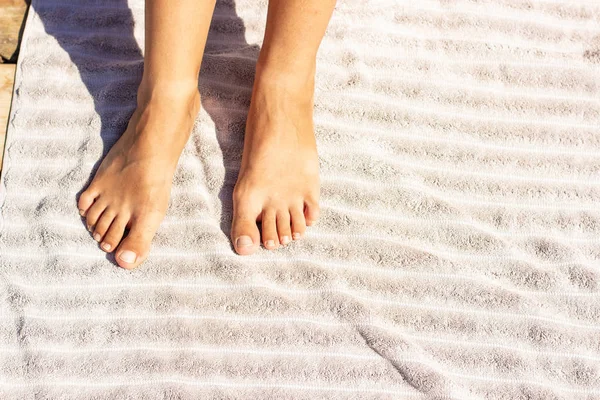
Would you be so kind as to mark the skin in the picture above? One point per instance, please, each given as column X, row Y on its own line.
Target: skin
column 278, row 181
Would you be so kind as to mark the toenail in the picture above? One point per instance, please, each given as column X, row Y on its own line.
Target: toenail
column 105, row 246
column 81, row 212
column 270, row 243
column 128, row 256
column 244, row 241
column 310, row 222
column 285, row 239
column 296, row 235
column 97, row 237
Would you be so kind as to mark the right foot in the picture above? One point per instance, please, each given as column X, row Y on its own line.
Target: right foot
column 132, row 185
column 278, row 182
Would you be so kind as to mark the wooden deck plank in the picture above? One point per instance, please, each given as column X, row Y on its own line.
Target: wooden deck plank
column 7, row 76
column 12, row 17
column 12, row 14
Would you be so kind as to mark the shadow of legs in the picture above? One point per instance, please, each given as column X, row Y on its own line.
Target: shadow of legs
column 102, row 46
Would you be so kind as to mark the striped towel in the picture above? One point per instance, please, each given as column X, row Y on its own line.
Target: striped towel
column 458, row 254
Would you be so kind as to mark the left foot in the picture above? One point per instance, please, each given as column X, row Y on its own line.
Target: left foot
column 278, row 183
column 132, row 185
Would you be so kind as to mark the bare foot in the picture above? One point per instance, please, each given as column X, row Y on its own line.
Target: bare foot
column 278, row 183
column 132, row 185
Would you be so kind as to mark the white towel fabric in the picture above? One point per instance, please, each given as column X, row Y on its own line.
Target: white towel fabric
column 458, row 253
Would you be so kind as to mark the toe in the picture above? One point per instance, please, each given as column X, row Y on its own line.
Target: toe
column 311, row 212
column 134, row 249
column 103, row 224
column 93, row 214
column 298, row 222
column 269, row 229
column 244, row 231
column 113, row 236
column 283, row 227
column 85, row 201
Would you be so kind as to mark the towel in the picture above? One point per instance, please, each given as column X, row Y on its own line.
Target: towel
column 458, row 252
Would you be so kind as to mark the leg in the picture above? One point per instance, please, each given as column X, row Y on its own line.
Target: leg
column 131, row 188
column 278, row 183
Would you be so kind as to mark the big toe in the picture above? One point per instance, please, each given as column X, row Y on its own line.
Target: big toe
column 134, row 249
column 311, row 211
column 244, row 233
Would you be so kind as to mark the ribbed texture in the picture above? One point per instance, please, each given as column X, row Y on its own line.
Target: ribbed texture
column 458, row 253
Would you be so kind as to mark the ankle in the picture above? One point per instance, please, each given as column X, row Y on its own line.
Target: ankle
column 180, row 93
column 176, row 102
column 287, row 87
